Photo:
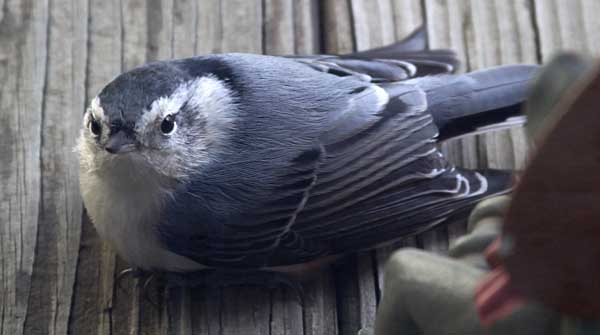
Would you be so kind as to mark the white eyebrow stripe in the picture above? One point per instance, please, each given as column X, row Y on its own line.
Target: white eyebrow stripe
column 96, row 109
column 163, row 106
column 207, row 95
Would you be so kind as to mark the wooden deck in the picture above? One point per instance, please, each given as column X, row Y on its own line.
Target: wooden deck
column 57, row 277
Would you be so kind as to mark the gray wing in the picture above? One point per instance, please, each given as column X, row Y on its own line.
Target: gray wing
column 256, row 222
column 371, row 175
column 382, row 181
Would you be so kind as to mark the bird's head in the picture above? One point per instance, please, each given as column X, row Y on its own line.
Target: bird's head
column 156, row 118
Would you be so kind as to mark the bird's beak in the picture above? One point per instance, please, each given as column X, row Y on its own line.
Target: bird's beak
column 120, row 143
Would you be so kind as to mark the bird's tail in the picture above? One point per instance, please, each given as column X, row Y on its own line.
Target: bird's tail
column 479, row 101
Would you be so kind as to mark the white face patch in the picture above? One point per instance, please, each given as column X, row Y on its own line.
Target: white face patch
column 200, row 131
column 96, row 109
column 208, row 97
column 125, row 194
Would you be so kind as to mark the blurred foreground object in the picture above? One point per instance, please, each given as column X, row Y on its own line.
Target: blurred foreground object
column 550, row 251
column 431, row 294
column 553, row 224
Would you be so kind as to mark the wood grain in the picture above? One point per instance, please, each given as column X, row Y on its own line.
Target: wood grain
column 209, row 27
column 58, row 277
column 60, row 211
column 373, row 23
column 278, row 27
column 567, row 26
column 306, row 26
column 337, row 27
column 241, row 25
column 23, row 58
column 185, row 27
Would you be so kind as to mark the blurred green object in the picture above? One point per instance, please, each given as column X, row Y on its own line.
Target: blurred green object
column 425, row 293
column 552, row 83
column 429, row 294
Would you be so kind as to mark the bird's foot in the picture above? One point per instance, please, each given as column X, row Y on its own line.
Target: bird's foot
column 144, row 279
column 218, row 278
column 135, row 273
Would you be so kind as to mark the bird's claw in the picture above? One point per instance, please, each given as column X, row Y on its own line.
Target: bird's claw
column 144, row 277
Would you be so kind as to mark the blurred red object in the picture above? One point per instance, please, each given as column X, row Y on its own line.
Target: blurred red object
column 550, row 249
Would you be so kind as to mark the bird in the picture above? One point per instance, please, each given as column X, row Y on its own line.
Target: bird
column 256, row 162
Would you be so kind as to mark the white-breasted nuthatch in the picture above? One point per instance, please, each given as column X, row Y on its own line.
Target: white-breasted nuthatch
column 250, row 161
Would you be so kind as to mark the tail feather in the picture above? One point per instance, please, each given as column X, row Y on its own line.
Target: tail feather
column 481, row 100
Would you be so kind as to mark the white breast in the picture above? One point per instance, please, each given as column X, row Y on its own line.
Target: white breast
column 124, row 204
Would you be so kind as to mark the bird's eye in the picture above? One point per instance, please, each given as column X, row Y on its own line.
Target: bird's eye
column 95, row 127
column 168, row 124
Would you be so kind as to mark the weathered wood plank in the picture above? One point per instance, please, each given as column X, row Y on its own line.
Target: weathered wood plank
column 320, row 311
column 60, row 217
column 286, row 313
column 278, row 27
column 160, row 29
column 178, row 312
column 367, row 289
column 23, row 50
column 209, row 27
column 306, row 26
column 125, row 312
column 185, row 25
column 242, row 22
column 337, row 27
column 92, row 297
column 206, row 310
column 134, row 19
column 568, row 25
column 373, row 23
column 245, row 310
column 347, row 296
column 41, row 100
